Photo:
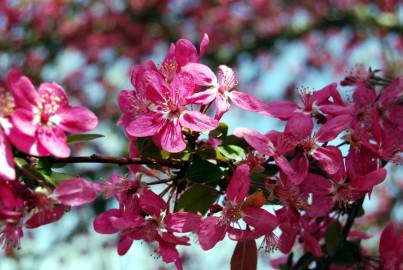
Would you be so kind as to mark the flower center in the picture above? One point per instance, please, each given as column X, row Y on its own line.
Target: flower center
column 231, row 213
column 6, row 103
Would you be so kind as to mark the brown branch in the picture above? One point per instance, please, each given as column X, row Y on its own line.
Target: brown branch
column 121, row 161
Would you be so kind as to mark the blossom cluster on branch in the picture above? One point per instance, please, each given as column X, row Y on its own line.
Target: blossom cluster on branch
column 215, row 187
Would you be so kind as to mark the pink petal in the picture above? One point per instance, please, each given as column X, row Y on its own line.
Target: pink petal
column 133, row 152
column 211, row 232
column 52, row 93
column 300, row 125
column 287, row 240
column 25, row 95
column 311, row 244
column 280, row 109
column 185, row 52
column 239, row 184
column 171, row 137
column 124, row 245
column 246, row 101
column 170, row 254
column 75, row 192
column 203, row 45
column 333, row 127
column 182, row 87
column 23, row 120
column 321, row 205
column 137, row 74
column 54, row 140
column 329, row 158
column 154, row 87
column 202, row 74
column 197, row 121
column 103, row 223
column 222, row 106
column 368, row 181
column 146, row 124
column 226, row 78
column 76, row 119
column 392, row 92
column 300, row 166
column 203, row 97
column 45, row 216
column 255, row 139
column 27, row 144
column 316, row 184
column 364, row 96
column 260, row 219
column 151, row 203
column 7, row 171
column 182, row 222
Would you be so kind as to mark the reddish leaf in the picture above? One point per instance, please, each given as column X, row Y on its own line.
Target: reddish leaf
column 244, row 256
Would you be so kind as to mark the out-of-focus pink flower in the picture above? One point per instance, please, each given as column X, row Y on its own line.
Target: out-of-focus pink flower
column 390, row 247
column 7, row 171
column 45, row 115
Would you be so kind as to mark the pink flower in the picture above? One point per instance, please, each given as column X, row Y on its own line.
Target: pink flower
column 135, row 221
column 297, row 137
column 168, row 113
column 213, row 228
column 76, row 192
column 45, row 115
column 390, row 247
column 7, row 171
column 220, row 89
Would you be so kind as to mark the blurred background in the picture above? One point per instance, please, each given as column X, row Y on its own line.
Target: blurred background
column 278, row 48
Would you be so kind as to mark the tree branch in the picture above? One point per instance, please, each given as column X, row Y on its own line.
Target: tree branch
column 121, row 161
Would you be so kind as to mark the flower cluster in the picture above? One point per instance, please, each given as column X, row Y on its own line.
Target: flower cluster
column 34, row 122
column 222, row 186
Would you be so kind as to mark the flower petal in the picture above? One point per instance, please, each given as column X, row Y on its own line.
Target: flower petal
column 202, row 74
column 7, row 171
column 75, row 119
column 211, row 232
column 75, row 192
column 182, row 222
column 146, row 124
column 197, row 121
column 239, row 184
column 54, row 140
column 171, row 137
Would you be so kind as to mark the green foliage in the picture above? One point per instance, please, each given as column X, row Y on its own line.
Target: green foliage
column 232, row 152
column 202, row 171
column 197, row 199
column 76, row 138
column 333, row 235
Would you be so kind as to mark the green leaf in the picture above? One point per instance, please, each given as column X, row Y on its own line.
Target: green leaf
column 58, row 177
column 244, row 256
column 233, row 152
column 20, row 162
column 148, row 149
column 332, row 238
column 85, row 137
column 197, row 199
column 349, row 254
column 220, row 132
column 201, row 171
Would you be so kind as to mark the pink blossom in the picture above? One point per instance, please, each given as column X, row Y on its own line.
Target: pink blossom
column 213, row 228
column 390, row 247
column 220, row 89
column 7, row 171
column 76, row 192
column 168, row 114
column 45, row 115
